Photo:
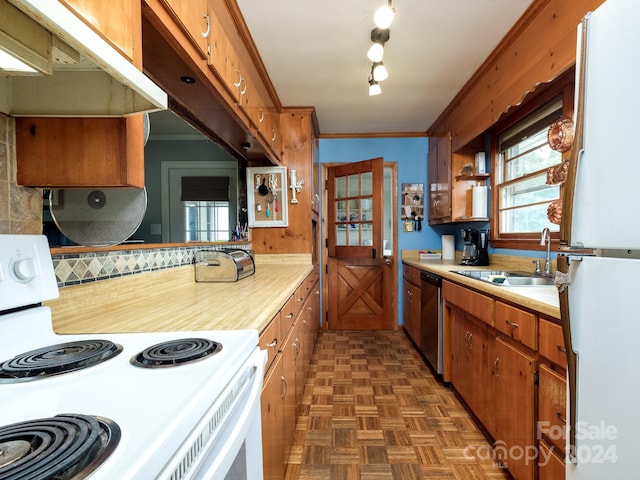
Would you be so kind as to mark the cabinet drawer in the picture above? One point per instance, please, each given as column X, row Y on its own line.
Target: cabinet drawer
column 301, row 295
column 271, row 339
column 551, row 342
column 550, row 464
column 289, row 312
column 310, row 282
column 412, row 274
column 552, row 407
column 517, row 324
column 476, row 304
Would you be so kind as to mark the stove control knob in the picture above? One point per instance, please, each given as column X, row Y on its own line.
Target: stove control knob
column 24, row 270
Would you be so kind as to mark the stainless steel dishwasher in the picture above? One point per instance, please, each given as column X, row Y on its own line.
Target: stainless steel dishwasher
column 431, row 319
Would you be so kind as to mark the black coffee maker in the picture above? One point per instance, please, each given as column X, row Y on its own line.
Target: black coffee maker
column 476, row 243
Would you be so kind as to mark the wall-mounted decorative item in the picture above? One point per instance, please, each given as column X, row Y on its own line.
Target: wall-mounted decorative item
column 267, row 196
column 296, row 186
column 412, row 205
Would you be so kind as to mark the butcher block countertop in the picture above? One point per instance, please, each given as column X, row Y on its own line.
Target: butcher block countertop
column 542, row 299
column 171, row 300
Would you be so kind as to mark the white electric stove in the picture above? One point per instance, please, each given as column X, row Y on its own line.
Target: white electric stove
column 170, row 418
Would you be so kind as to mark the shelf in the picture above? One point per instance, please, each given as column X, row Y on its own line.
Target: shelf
column 477, row 176
column 471, row 219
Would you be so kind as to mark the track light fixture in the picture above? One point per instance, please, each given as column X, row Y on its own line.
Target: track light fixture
column 379, row 36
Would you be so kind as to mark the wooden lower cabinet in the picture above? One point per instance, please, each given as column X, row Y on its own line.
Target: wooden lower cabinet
column 285, row 376
column 272, row 402
column 289, row 354
column 515, row 442
column 472, row 365
column 495, row 369
column 551, row 466
column 411, row 312
column 300, row 347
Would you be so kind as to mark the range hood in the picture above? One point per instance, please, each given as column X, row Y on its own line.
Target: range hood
column 78, row 73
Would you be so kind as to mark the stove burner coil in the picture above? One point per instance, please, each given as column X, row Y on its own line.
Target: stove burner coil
column 176, row 352
column 64, row 447
column 57, row 359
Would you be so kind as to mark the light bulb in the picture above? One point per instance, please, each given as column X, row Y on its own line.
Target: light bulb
column 376, row 52
column 374, row 88
column 383, row 16
column 380, row 72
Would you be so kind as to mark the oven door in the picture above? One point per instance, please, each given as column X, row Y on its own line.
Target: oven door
column 227, row 443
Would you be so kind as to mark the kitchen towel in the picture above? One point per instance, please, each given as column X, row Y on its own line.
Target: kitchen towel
column 479, row 201
column 448, row 247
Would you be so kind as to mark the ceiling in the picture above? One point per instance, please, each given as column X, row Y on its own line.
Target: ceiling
column 315, row 54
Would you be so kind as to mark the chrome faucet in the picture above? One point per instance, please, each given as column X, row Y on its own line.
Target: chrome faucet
column 545, row 239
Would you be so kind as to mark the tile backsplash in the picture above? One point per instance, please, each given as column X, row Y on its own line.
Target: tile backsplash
column 20, row 207
column 76, row 268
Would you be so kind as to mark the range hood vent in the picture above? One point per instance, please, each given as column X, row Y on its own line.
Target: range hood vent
column 78, row 73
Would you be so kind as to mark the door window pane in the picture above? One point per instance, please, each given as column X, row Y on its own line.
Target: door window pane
column 354, row 185
column 341, row 187
column 354, row 235
column 367, row 183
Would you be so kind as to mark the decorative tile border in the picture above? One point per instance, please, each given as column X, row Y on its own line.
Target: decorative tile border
column 77, row 268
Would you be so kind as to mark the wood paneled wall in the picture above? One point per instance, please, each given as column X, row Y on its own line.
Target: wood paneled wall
column 298, row 128
column 538, row 48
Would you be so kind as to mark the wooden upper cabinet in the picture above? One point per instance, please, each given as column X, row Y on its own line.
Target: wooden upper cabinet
column 117, row 21
column 223, row 59
column 80, row 152
column 439, row 179
column 193, row 17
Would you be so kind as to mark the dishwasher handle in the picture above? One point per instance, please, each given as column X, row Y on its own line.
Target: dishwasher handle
column 431, row 278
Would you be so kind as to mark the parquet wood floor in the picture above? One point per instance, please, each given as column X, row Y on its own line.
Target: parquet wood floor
column 372, row 410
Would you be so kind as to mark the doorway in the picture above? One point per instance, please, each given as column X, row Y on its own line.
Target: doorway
column 360, row 275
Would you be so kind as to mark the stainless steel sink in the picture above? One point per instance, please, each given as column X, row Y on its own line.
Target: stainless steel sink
column 527, row 281
column 513, row 278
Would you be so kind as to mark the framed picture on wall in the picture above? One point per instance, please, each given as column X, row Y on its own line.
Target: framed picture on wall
column 267, row 196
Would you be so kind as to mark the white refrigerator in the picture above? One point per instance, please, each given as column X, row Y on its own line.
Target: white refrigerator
column 600, row 307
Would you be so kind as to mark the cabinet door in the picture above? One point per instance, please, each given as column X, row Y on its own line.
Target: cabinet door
column 117, row 21
column 223, row 59
column 289, row 354
column 551, row 466
column 515, row 413
column 459, row 352
column 439, row 173
column 472, row 366
column 79, row 152
column 193, row 18
column 552, row 407
column 299, row 347
column 411, row 313
column 272, row 403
